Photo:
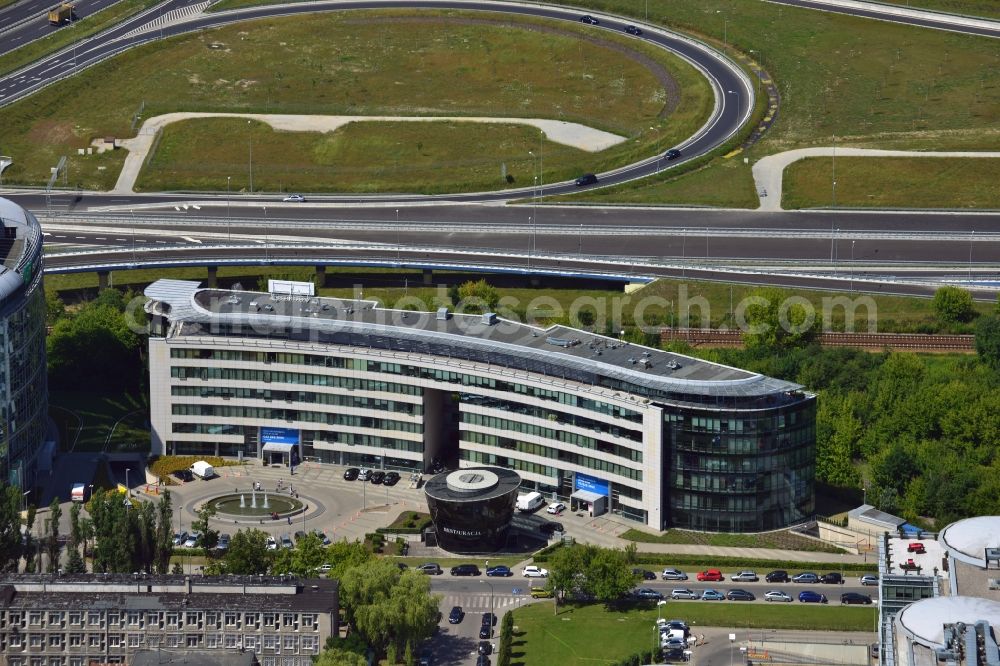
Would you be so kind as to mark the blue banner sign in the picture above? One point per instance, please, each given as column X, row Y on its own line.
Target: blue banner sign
column 279, row 435
column 592, row 484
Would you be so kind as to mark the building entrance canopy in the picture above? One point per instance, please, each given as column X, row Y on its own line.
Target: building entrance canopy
column 277, row 447
column 587, row 496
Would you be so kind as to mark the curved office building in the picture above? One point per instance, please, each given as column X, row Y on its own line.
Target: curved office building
column 656, row 437
column 23, row 388
column 472, row 508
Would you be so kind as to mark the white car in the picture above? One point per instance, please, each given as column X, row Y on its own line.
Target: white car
column 324, row 568
column 531, row 571
column 271, row 543
column 776, row 595
column 295, row 198
column 192, row 540
column 555, row 508
column 364, row 474
column 745, row 577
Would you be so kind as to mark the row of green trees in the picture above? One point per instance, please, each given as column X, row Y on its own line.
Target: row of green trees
column 918, row 432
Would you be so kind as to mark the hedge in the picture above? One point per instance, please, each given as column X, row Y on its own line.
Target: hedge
column 729, row 562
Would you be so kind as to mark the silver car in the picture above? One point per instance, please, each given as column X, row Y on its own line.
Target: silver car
column 869, row 579
column 683, row 593
column 745, row 577
column 776, row 595
column 674, row 574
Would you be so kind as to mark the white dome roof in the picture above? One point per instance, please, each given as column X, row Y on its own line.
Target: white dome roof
column 967, row 540
column 924, row 620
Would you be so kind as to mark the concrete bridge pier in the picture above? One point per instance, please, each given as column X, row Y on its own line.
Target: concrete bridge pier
column 102, row 280
column 428, row 276
column 213, row 274
column 320, row 276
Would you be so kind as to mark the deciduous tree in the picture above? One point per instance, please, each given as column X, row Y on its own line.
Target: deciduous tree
column 953, row 305
column 988, row 340
column 776, row 321
column 52, row 546
column 10, row 527
column 247, row 553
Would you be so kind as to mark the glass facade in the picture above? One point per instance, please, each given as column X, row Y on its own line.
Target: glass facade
column 23, row 379
column 473, row 522
column 733, row 471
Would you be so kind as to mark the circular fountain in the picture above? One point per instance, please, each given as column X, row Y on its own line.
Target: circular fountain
column 255, row 504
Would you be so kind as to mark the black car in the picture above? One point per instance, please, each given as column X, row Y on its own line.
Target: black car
column 456, row 615
column 673, row 154
column 647, row 593
column 391, row 479
column 587, row 18
column 183, row 475
column 482, row 660
column 485, row 631
column 351, row 473
column 633, row 30
column 377, row 477
column 485, row 647
column 489, row 620
column 586, row 179
column 645, row 573
column 550, row 527
column 779, row 576
column 431, row 569
column 740, row 595
column 855, row 598
column 465, row 570
column 832, row 579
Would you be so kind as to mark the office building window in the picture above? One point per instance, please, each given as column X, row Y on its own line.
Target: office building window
column 192, row 640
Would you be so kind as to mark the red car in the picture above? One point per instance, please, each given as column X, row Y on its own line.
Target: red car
column 916, row 547
column 710, row 575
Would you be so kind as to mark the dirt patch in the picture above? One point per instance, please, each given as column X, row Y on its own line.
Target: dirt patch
column 51, row 131
column 662, row 75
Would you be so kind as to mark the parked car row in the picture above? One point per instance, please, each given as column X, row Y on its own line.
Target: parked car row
column 736, row 594
column 375, row 476
column 778, row 576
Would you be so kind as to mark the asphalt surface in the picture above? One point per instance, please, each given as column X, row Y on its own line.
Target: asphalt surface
column 874, row 13
column 27, row 20
column 734, row 92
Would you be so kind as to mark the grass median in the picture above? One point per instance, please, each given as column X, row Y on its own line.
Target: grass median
column 784, row 540
column 387, row 63
column 894, row 182
column 583, row 635
column 985, row 8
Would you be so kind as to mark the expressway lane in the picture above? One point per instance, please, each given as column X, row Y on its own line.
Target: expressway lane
column 734, row 93
column 989, row 29
column 23, row 22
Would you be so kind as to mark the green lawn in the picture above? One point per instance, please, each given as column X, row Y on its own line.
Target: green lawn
column 353, row 63
column 98, row 415
column 724, row 182
column 589, row 635
column 782, row 540
column 896, row 182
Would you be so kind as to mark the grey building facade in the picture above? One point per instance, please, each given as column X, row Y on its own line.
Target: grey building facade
column 670, row 440
column 49, row 620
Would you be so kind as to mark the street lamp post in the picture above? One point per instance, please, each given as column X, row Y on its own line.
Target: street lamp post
column 852, row 264
column 250, row 133
column 971, row 239
column 833, row 172
column 229, row 224
column 133, row 236
column 732, row 641
column 534, row 214
column 398, row 241
column 265, row 234
column 531, row 225
column 128, row 491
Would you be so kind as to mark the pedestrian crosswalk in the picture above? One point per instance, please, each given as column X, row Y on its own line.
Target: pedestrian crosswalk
column 481, row 602
column 169, row 18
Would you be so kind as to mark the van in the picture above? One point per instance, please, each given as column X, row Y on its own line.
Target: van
column 530, row 502
column 202, row 470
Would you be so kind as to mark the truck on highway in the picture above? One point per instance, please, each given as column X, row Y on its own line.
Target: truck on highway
column 61, row 13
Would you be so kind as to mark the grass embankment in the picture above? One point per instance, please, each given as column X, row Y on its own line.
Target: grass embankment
column 80, row 30
column 901, row 314
column 781, row 540
column 367, row 63
column 584, row 635
column 95, row 416
column 894, row 182
column 883, row 86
